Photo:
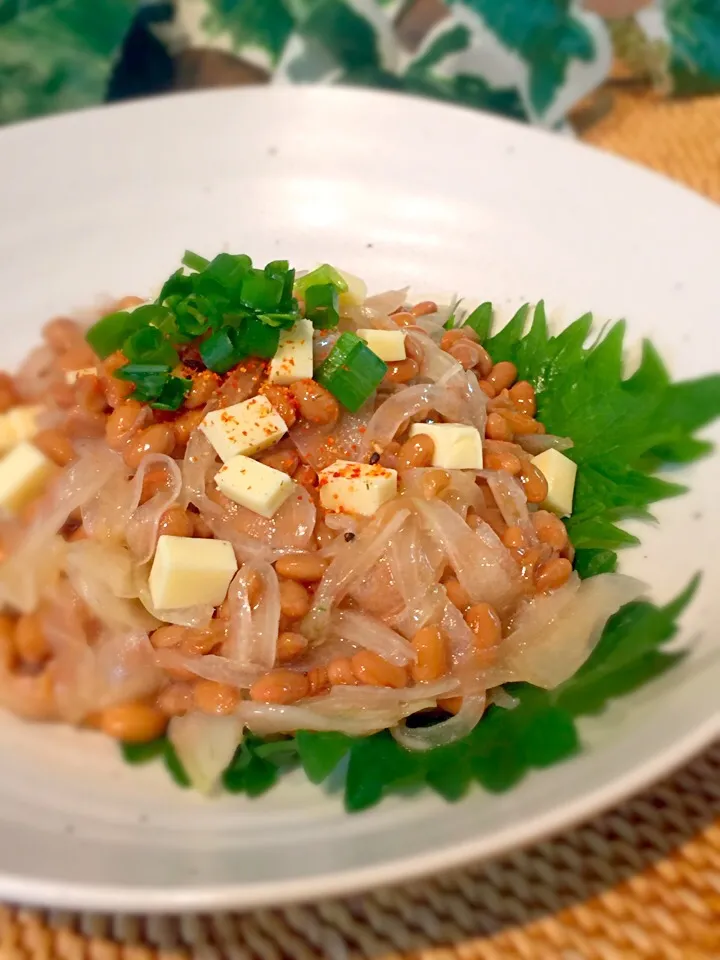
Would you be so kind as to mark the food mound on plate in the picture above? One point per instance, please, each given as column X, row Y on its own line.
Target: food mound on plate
column 266, row 502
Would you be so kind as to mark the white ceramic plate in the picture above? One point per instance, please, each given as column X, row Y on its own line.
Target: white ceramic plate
column 399, row 191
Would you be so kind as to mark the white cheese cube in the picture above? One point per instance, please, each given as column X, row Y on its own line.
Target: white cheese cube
column 389, row 345
column 356, row 291
column 244, row 428
column 560, row 472
column 347, row 487
column 294, row 358
column 24, row 473
column 72, row 376
column 189, row 571
column 457, row 446
column 254, row 485
column 20, row 423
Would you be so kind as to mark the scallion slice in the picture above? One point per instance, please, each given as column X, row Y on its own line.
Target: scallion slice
column 261, row 292
column 150, row 345
column 351, row 371
column 110, row 332
column 222, row 350
column 194, row 261
column 321, row 275
column 321, row 306
column 258, row 339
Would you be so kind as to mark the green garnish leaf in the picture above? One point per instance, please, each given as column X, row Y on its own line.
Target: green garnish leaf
column 174, row 766
column 480, row 320
column 351, row 371
column 620, row 427
column 320, row 753
column 138, row 753
column 321, row 275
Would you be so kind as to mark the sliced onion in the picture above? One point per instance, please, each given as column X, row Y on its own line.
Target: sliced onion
column 209, row 667
column 371, row 634
column 142, row 527
column 253, row 633
column 556, row 633
column 205, row 745
column 102, row 575
column 353, row 699
column 448, row 731
column 270, row 718
column 436, row 364
column 352, row 562
column 480, row 561
column 501, row 698
column 512, row 502
column 394, row 413
column 415, row 580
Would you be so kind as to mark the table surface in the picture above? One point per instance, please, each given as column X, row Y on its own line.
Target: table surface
column 641, row 882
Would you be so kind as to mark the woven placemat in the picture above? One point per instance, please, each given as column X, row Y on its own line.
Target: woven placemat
column 639, row 883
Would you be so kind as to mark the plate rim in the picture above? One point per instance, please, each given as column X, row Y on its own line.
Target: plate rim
column 208, row 896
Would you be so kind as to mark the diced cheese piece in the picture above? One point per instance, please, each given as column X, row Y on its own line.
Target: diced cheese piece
column 254, row 485
column 560, row 472
column 457, row 446
column 294, row 358
column 389, row 345
column 347, row 487
column 189, row 571
column 72, row 376
column 20, row 423
column 244, row 428
column 356, row 291
column 23, row 475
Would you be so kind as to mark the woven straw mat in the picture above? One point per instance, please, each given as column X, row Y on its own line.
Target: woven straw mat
column 640, row 882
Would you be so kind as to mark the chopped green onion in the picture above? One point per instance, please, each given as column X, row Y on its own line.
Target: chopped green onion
column 321, row 306
column 280, row 269
column 221, row 351
column 258, row 339
column 149, row 379
column 191, row 318
column 285, row 320
column 260, row 292
column 321, row 275
column 110, row 332
column 177, row 285
column 194, row 261
column 223, row 276
column 149, row 345
column 480, row 320
column 172, row 394
column 351, row 371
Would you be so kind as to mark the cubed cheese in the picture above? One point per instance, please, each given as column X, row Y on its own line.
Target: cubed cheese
column 294, row 358
column 389, row 345
column 347, row 487
column 23, row 475
column 560, row 472
column 244, row 428
column 254, row 485
column 189, row 571
column 72, row 376
column 20, row 423
column 457, row 446
column 356, row 291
